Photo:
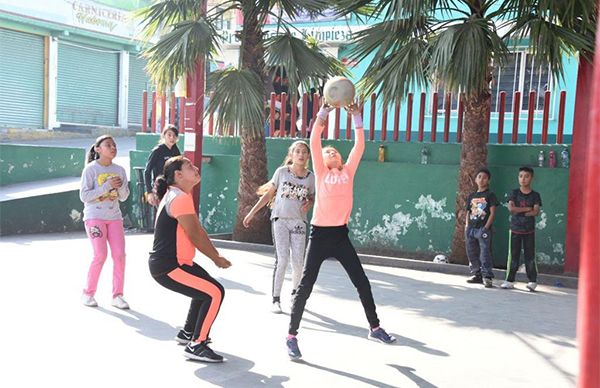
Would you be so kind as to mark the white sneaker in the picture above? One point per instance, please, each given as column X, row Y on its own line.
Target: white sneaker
column 531, row 286
column 120, row 303
column 276, row 308
column 88, row 300
column 507, row 285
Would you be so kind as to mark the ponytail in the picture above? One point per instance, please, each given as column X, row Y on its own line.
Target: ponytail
column 160, row 187
column 162, row 182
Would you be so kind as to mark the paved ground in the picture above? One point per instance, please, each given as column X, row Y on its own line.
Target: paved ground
column 450, row 334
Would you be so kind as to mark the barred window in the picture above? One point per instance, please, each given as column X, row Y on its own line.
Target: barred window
column 518, row 73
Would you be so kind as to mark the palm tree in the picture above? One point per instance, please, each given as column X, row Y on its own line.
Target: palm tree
column 187, row 35
column 416, row 43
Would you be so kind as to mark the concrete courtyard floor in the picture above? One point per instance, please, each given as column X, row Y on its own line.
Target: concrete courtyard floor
column 450, row 333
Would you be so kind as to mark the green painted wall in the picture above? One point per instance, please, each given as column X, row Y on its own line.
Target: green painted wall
column 58, row 212
column 400, row 207
column 22, row 163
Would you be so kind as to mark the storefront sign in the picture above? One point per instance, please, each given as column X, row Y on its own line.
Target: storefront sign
column 97, row 16
column 326, row 34
column 86, row 14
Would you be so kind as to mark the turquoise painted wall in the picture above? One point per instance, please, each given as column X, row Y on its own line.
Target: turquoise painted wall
column 400, row 207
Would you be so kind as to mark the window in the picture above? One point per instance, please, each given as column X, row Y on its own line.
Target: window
column 519, row 73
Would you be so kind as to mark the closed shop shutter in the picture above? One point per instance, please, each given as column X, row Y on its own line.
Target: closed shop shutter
column 87, row 85
column 21, row 80
column 138, row 82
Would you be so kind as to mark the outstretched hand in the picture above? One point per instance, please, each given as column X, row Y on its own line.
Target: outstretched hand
column 326, row 106
column 222, row 262
column 354, row 108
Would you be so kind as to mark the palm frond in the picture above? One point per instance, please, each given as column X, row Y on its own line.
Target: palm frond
column 462, row 54
column 399, row 72
column 303, row 61
column 292, row 8
column 238, row 103
column 177, row 52
column 554, row 28
column 160, row 16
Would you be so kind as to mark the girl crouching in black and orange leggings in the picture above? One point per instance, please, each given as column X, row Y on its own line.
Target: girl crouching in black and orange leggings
column 177, row 235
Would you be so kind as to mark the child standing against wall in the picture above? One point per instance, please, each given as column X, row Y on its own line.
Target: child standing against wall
column 523, row 204
column 166, row 148
column 334, row 182
column 292, row 188
column 481, row 210
column 103, row 185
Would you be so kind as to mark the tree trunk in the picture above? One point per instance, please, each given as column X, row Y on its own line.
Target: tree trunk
column 473, row 156
column 253, row 154
column 253, row 173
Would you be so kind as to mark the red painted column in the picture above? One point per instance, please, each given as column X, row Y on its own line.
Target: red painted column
column 145, row 111
column 581, row 134
column 588, row 312
column 194, row 124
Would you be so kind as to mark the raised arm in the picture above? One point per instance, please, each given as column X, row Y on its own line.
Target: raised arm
column 316, row 150
column 359, row 137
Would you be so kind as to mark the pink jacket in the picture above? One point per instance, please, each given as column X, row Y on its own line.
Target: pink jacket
column 334, row 188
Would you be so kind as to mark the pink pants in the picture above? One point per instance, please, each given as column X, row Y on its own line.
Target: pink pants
column 99, row 232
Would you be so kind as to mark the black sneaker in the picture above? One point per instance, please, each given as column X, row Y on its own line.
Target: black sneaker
column 183, row 337
column 487, row 283
column 201, row 352
column 475, row 279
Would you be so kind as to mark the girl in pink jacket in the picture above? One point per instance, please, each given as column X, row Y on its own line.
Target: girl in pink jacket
column 334, row 181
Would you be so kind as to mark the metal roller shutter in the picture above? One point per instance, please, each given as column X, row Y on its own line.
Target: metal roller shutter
column 138, row 82
column 87, row 85
column 21, row 80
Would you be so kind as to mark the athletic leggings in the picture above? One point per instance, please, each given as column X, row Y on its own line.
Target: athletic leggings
column 100, row 232
column 206, row 293
column 326, row 242
column 289, row 235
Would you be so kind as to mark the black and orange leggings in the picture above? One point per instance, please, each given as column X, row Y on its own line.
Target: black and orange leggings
column 206, row 293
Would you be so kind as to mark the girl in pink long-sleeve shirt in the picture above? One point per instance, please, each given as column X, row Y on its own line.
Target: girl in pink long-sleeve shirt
column 334, row 181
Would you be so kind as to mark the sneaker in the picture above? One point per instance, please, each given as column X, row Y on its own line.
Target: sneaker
column 276, row 308
column 507, row 285
column 201, row 352
column 88, row 300
column 183, row 337
column 120, row 303
column 381, row 335
column 531, row 286
column 487, row 283
column 475, row 279
column 293, row 349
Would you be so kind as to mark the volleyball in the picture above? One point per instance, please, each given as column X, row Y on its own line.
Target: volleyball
column 338, row 92
column 439, row 259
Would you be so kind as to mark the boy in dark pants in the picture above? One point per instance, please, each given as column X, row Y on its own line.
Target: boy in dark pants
column 523, row 204
column 481, row 210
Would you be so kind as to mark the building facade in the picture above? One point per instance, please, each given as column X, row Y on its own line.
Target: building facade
column 70, row 63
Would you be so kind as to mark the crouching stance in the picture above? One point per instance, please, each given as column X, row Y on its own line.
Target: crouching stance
column 177, row 235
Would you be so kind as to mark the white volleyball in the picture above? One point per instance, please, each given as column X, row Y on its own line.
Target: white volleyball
column 339, row 91
column 440, row 259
